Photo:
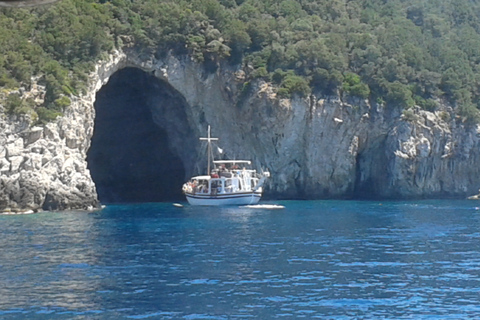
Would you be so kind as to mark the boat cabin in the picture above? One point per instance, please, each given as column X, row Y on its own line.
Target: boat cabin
column 226, row 177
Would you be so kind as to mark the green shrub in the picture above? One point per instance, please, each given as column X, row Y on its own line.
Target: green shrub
column 283, row 93
column 445, row 116
column 47, row 115
column 62, row 102
column 353, row 85
column 13, row 103
column 67, row 90
column 326, row 81
column 278, row 76
column 290, row 83
column 400, row 93
column 8, row 82
column 409, row 115
column 296, row 84
column 260, row 73
column 426, row 104
column 469, row 113
column 380, row 101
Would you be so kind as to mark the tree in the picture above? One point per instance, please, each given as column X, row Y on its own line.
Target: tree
column 353, row 85
column 237, row 38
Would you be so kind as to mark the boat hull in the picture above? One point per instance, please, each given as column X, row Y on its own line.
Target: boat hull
column 225, row 199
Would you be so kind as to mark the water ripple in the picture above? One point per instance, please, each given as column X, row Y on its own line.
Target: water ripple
column 313, row 260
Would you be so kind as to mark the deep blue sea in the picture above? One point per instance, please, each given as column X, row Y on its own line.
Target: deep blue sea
column 312, row 260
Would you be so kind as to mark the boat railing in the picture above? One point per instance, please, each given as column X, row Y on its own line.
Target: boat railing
column 227, row 180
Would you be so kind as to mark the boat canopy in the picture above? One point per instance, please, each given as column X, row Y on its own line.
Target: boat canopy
column 231, row 161
column 201, row 178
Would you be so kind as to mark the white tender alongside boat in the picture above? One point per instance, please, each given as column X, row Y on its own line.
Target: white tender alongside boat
column 230, row 182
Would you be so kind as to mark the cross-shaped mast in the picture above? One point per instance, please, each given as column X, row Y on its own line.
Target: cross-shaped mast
column 209, row 150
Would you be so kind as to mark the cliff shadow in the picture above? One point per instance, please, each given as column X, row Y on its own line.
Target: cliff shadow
column 371, row 171
column 131, row 158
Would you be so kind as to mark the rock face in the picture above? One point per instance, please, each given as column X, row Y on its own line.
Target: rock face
column 328, row 147
column 44, row 167
column 437, row 158
column 315, row 147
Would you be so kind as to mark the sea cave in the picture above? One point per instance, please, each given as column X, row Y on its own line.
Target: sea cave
column 140, row 131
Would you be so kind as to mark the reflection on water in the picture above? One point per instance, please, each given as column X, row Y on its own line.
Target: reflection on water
column 315, row 259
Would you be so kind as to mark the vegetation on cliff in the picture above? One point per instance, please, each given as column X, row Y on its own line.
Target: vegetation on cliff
column 397, row 52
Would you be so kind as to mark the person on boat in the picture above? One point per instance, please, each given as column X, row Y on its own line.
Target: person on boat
column 214, row 187
column 202, row 188
column 193, row 186
column 223, row 172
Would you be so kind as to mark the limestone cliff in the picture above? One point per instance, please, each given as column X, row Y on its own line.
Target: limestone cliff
column 315, row 147
column 44, row 167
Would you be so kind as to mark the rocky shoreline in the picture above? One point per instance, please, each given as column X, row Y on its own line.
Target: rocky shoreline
column 315, row 147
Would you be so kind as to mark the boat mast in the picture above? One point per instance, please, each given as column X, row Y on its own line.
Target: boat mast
column 209, row 145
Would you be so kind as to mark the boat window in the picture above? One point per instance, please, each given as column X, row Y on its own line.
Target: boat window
column 216, row 185
column 202, row 186
column 228, row 185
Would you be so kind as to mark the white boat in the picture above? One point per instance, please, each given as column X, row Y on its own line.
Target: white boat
column 230, row 182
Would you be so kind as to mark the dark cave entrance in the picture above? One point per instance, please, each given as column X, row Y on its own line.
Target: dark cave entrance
column 371, row 181
column 131, row 158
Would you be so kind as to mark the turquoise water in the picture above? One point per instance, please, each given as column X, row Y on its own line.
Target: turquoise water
column 313, row 259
